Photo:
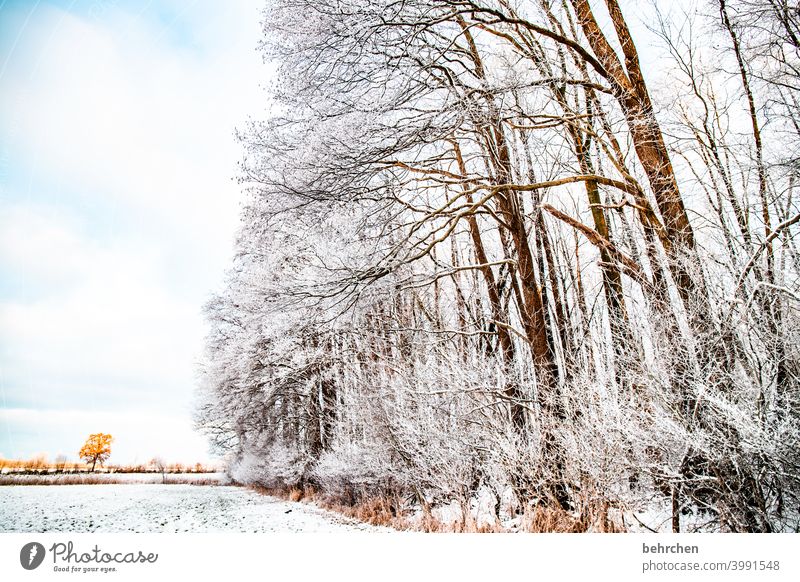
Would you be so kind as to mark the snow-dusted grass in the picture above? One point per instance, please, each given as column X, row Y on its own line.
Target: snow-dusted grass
column 160, row 508
column 112, row 478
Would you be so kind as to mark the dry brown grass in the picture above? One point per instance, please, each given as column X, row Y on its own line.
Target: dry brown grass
column 551, row 520
column 380, row 511
column 86, row 479
column 295, row 494
column 41, row 465
column 376, row 511
column 101, row 479
column 594, row 516
column 387, row 511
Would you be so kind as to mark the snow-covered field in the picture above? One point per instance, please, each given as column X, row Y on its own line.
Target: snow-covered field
column 160, row 508
column 10, row 478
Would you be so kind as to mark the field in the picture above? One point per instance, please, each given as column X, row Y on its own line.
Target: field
column 16, row 479
column 137, row 507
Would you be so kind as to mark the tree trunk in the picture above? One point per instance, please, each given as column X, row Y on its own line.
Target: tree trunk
column 534, row 320
column 631, row 92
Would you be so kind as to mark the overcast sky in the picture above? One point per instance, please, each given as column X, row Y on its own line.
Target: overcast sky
column 117, row 213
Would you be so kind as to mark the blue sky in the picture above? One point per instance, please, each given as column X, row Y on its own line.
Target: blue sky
column 117, row 213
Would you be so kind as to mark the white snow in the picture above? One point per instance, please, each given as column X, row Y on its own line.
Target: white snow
column 160, row 508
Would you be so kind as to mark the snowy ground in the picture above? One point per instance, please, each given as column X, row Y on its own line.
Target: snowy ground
column 160, row 508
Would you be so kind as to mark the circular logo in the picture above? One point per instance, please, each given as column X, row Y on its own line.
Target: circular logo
column 31, row 555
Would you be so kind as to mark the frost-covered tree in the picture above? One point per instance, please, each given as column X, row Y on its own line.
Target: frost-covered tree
column 474, row 261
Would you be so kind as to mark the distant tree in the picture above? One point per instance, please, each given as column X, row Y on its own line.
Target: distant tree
column 160, row 466
column 96, row 448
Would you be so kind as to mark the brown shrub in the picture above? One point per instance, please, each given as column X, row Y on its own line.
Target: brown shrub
column 387, row 511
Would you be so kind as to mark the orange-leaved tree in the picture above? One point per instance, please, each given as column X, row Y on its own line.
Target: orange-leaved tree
column 96, row 448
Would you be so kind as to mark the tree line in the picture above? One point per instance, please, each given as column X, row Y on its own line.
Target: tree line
column 480, row 253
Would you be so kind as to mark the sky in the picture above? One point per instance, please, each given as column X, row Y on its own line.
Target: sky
column 118, row 210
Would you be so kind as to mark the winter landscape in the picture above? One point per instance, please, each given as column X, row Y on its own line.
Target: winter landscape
column 499, row 266
column 161, row 508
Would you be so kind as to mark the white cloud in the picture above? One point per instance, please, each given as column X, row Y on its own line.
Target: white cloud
column 127, row 119
column 112, row 324
column 117, row 215
column 37, row 241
